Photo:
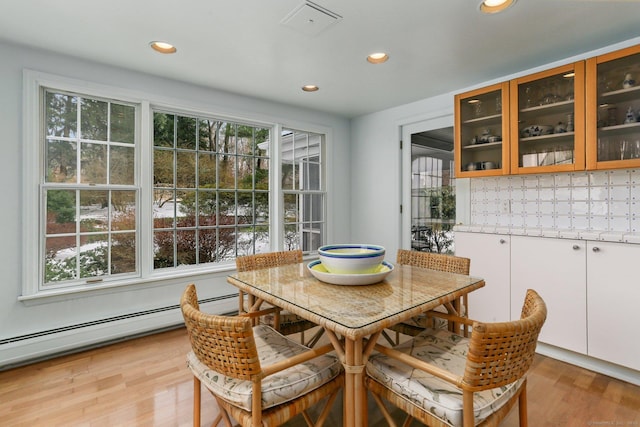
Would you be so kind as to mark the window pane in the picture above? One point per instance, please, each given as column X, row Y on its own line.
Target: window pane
column 123, row 210
column 164, row 208
column 93, row 158
column 61, row 115
column 123, row 253
column 261, row 174
column 94, row 258
column 245, row 208
column 93, row 210
column 226, row 138
column 288, row 176
column 163, row 168
column 123, row 120
column 207, row 245
column 60, row 259
column 186, row 167
column 245, row 142
column 262, row 208
column 207, row 170
column 163, row 244
column 186, row 208
column 61, row 159
column 290, row 208
column 186, row 132
column 227, row 204
column 186, row 247
column 206, row 208
column 94, row 119
column 122, row 165
column 291, row 237
column 61, row 211
column 207, row 135
column 226, row 171
column 163, row 129
column 245, row 172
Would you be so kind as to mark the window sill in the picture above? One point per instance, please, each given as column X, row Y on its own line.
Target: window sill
column 137, row 284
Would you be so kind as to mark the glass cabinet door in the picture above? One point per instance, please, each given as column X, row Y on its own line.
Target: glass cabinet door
column 547, row 126
column 482, row 132
column 613, row 110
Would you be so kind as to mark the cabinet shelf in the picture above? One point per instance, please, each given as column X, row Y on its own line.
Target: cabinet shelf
column 556, row 107
column 622, row 95
column 485, row 120
column 553, row 136
column 619, row 129
column 482, row 145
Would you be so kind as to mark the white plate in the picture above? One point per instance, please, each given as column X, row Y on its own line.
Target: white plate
column 319, row 272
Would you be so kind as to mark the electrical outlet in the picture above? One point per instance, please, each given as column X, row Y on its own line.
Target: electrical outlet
column 506, row 206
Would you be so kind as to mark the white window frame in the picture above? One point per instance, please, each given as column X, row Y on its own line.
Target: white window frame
column 33, row 164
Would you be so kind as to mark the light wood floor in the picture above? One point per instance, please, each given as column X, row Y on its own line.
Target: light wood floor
column 145, row 382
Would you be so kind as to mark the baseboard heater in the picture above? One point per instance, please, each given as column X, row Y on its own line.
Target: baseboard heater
column 108, row 320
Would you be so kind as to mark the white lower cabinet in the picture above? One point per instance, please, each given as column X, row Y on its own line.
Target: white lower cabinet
column 490, row 259
column 613, row 301
column 556, row 269
column 591, row 288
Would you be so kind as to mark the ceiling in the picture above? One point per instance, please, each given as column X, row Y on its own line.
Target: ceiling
column 242, row 46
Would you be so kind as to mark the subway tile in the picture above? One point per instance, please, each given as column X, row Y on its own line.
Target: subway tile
column 547, row 221
column 563, row 207
column 530, row 181
column 546, row 181
column 546, row 194
column 563, row 194
column 546, row 208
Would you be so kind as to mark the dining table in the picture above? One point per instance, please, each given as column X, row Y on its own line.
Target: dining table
column 354, row 316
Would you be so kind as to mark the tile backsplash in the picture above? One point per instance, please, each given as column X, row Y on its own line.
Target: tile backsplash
column 600, row 201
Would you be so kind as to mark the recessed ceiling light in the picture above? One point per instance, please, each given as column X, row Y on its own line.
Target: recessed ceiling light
column 495, row 6
column 163, row 47
column 378, row 58
column 310, row 88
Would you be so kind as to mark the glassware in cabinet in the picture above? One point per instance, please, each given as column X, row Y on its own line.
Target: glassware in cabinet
column 613, row 110
column 482, row 132
column 547, row 120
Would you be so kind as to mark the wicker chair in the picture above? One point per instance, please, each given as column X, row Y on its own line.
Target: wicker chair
column 284, row 321
column 433, row 261
column 444, row 379
column 228, row 356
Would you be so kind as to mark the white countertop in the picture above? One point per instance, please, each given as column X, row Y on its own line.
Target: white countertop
column 605, row 236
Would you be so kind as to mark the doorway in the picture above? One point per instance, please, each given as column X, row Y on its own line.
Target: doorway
column 429, row 183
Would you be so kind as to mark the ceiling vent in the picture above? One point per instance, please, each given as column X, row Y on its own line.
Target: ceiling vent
column 310, row 19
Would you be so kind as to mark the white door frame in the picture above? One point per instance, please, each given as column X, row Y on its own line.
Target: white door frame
column 442, row 120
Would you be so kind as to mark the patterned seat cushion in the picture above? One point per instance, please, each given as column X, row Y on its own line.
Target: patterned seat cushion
column 277, row 388
column 444, row 400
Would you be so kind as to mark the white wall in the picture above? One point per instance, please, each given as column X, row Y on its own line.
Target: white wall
column 19, row 318
column 376, row 165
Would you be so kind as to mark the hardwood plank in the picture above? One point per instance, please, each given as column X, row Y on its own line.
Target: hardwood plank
column 145, row 382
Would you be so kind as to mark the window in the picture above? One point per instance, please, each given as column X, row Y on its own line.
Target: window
column 303, row 189
column 210, row 190
column 119, row 191
column 89, row 189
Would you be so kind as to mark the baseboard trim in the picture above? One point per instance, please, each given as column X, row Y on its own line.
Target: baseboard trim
column 590, row 363
column 30, row 349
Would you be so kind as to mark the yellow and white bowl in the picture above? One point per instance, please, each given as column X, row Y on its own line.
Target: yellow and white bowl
column 351, row 258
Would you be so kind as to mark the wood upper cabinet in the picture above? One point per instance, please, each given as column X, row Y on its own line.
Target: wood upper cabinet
column 482, row 132
column 547, row 120
column 613, row 110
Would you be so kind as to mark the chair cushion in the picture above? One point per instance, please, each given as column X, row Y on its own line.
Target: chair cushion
column 445, row 350
column 277, row 388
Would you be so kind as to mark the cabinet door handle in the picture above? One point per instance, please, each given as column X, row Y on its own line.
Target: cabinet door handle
column 502, row 241
column 576, row 247
column 596, row 249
